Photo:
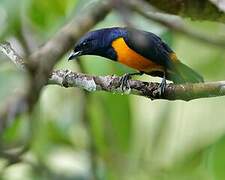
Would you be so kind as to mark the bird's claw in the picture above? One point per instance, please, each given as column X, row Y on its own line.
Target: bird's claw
column 124, row 82
column 65, row 82
column 162, row 87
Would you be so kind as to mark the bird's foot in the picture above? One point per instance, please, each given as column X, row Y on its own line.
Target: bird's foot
column 162, row 87
column 124, row 82
column 65, row 82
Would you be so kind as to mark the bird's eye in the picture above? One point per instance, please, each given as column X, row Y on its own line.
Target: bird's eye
column 84, row 44
column 87, row 43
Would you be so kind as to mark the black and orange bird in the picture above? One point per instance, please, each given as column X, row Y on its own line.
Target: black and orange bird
column 140, row 50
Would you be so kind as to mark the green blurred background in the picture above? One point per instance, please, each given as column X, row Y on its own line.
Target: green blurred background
column 78, row 135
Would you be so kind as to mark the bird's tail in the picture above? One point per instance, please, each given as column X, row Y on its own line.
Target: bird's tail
column 184, row 74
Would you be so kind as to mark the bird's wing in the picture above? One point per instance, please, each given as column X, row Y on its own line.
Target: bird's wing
column 149, row 46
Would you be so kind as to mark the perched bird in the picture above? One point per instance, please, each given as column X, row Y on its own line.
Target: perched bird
column 140, row 50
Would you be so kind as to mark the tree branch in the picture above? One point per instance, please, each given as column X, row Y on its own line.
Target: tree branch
column 39, row 65
column 150, row 90
column 195, row 9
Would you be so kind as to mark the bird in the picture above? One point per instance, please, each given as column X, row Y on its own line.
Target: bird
column 141, row 50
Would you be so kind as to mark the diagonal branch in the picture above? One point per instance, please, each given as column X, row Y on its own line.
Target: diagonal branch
column 42, row 61
column 39, row 65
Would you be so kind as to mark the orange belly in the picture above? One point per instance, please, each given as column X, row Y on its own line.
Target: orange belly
column 129, row 57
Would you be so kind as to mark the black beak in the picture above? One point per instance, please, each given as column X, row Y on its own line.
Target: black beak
column 73, row 55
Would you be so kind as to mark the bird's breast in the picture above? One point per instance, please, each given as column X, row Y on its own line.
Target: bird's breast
column 129, row 57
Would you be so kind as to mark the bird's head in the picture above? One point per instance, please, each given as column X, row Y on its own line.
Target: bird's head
column 97, row 42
